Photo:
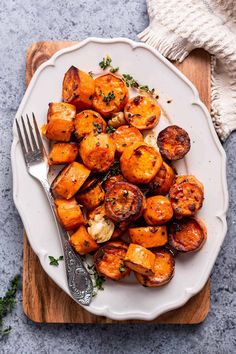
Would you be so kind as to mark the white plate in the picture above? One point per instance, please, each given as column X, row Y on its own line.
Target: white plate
column 206, row 160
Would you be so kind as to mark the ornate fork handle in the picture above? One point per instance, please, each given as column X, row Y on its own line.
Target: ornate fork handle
column 79, row 280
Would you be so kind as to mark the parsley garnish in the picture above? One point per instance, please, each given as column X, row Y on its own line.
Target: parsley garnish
column 7, row 303
column 109, row 97
column 105, row 63
column 55, row 261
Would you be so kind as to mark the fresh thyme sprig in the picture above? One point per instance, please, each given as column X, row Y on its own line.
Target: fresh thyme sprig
column 97, row 279
column 7, row 303
column 55, row 261
column 106, row 63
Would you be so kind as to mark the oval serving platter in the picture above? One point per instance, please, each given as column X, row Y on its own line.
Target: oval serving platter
column 206, row 160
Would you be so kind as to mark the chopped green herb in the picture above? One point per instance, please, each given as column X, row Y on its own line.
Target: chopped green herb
column 110, row 129
column 105, row 63
column 114, row 70
column 55, row 261
column 7, row 303
column 98, row 127
column 109, row 97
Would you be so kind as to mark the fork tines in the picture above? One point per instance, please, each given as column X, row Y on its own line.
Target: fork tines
column 34, row 142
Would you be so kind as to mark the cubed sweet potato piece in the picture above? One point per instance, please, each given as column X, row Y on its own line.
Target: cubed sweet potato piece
column 140, row 259
column 69, row 180
column 78, row 88
column 89, row 121
column 63, row 153
column 109, row 260
column 82, row 242
column 149, row 236
column 91, row 195
column 69, row 213
column 126, row 136
column 163, row 270
column 161, row 183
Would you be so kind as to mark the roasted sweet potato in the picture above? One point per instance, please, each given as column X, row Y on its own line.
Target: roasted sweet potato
column 186, row 196
column 142, row 112
column 82, row 242
column 69, row 180
column 58, row 130
column 98, row 151
column 69, row 213
column 111, row 95
column 173, row 143
column 60, row 121
column 163, row 270
column 187, row 234
column 149, row 236
column 124, row 202
column 61, row 111
column 112, row 180
column 109, row 260
column 78, row 88
column 91, row 195
column 161, row 183
column 140, row 259
column 126, row 136
column 63, row 153
column 140, row 163
column 158, row 210
column 89, row 121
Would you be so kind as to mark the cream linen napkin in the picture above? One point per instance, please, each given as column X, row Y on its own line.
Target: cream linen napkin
column 178, row 26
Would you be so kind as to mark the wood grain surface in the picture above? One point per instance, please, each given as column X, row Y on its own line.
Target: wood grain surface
column 43, row 300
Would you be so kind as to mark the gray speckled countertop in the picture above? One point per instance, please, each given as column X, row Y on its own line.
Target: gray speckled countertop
column 21, row 23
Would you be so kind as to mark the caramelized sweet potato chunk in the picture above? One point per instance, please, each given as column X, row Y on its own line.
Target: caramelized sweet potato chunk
column 173, row 142
column 98, row 151
column 62, row 153
column 111, row 95
column 78, row 88
column 161, row 183
column 140, row 259
column 186, row 196
column 60, row 121
column 187, row 234
column 89, row 121
column 158, row 210
column 69, row 213
column 91, row 195
column 124, row 202
column 126, row 136
column 149, row 236
column 142, row 112
column 109, row 260
column 112, row 180
column 163, row 270
column 140, row 163
column 82, row 242
column 69, row 180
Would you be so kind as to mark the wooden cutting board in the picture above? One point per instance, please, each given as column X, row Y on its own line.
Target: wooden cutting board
column 43, row 300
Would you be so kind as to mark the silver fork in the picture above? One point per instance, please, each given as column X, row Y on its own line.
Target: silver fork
column 79, row 280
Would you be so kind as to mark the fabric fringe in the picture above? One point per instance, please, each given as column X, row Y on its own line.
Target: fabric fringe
column 168, row 44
